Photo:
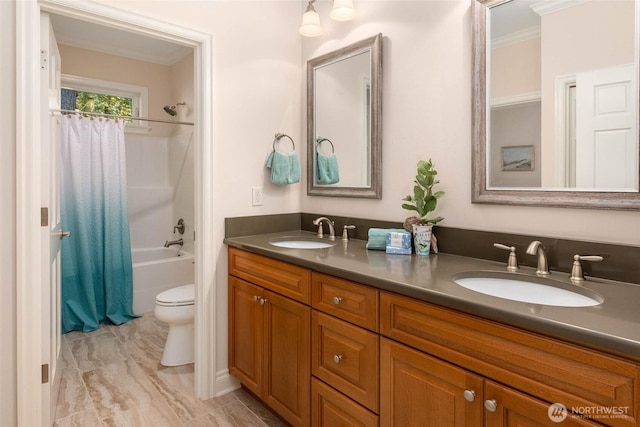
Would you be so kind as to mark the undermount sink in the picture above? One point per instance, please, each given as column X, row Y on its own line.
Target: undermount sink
column 529, row 289
column 301, row 243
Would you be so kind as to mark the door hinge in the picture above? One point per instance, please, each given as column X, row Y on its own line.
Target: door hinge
column 43, row 59
column 44, row 217
column 45, row 373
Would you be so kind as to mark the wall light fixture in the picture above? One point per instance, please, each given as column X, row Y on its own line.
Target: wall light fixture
column 342, row 11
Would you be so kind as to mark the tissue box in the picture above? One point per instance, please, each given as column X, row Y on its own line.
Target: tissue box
column 401, row 251
column 399, row 242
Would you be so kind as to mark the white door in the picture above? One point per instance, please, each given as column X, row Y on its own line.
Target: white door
column 51, row 232
column 606, row 141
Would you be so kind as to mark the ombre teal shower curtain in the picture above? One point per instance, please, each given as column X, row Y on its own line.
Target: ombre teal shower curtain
column 97, row 277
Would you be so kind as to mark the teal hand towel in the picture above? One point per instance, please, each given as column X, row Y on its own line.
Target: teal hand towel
column 285, row 167
column 327, row 168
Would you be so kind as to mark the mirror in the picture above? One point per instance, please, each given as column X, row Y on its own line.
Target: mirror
column 555, row 103
column 344, row 121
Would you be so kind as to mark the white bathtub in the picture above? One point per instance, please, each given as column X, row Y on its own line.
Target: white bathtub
column 156, row 270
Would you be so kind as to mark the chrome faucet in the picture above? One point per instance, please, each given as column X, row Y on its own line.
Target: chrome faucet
column 169, row 243
column 536, row 248
column 332, row 231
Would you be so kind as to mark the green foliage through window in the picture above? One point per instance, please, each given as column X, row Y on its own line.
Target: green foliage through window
column 106, row 104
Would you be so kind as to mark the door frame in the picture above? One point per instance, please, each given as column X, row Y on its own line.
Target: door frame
column 28, row 190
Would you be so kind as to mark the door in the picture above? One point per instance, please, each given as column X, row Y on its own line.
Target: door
column 50, row 217
column 606, row 120
column 245, row 333
column 419, row 390
column 287, row 358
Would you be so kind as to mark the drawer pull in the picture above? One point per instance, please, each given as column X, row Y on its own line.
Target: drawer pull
column 337, row 300
column 491, row 405
column 469, row 395
column 337, row 358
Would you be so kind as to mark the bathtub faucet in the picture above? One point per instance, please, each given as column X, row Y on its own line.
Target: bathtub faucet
column 173, row 242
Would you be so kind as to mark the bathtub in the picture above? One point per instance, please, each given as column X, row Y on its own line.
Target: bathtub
column 156, row 270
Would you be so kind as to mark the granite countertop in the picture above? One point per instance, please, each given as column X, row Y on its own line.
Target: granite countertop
column 613, row 326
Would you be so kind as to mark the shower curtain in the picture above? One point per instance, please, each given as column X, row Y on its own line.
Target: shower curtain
column 97, row 277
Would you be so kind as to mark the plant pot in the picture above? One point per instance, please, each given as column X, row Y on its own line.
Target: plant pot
column 422, row 238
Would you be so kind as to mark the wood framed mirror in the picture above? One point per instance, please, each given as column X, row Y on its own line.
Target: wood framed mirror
column 344, row 121
column 552, row 161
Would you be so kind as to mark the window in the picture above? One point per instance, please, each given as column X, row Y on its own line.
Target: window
column 101, row 96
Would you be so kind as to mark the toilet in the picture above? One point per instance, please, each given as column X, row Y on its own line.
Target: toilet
column 177, row 308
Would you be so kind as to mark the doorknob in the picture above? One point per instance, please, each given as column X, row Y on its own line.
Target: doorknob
column 62, row 234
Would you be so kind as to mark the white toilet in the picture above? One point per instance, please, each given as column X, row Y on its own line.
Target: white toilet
column 177, row 308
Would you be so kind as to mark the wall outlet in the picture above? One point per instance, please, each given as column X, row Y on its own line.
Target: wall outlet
column 256, row 196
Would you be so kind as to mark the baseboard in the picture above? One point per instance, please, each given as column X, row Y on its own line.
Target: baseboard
column 225, row 383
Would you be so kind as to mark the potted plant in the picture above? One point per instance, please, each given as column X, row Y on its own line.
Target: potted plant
column 423, row 201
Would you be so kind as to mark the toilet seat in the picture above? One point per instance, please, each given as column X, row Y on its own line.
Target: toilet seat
column 177, row 297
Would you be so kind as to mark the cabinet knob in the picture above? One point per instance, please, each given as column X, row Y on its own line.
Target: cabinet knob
column 337, row 300
column 337, row 358
column 469, row 395
column 256, row 297
column 263, row 301
column 491, row 405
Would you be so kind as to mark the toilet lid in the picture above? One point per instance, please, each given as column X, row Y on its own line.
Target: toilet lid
column 182, row 295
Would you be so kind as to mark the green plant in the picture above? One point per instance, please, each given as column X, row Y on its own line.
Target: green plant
column 424, row 200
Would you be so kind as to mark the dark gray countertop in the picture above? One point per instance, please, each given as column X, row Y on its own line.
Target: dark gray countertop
column 613, row 326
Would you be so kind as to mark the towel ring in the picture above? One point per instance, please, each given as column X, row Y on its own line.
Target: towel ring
column 279, row 136
column 321, row 139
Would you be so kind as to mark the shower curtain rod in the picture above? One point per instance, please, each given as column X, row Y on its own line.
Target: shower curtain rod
column 115, row 116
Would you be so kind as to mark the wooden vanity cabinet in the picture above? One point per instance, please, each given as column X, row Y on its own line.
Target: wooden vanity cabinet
column 270, row 336
column 524, row 373
column 324, row 351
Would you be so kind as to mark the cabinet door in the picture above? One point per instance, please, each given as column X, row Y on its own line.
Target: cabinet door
column 245, row 333
column 509, row 408
column 420, row 390
column 287, row 358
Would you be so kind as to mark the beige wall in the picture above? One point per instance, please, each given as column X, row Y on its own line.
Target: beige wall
column 515, row 69
column 155, row 77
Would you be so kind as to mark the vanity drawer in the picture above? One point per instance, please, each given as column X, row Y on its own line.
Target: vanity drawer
column 349, row 301
column 330, row 408
column 280, row 277
column 346, row 357
column 547, row 368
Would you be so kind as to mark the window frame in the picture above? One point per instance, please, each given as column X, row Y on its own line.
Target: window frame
column 139, row 96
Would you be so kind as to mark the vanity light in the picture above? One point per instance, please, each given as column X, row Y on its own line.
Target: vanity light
column 342, row 11
column 310, row 22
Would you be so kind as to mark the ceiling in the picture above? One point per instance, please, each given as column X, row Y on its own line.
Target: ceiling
column 87, row 35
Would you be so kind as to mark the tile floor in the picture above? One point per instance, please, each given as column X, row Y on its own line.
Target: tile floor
column 113, row 377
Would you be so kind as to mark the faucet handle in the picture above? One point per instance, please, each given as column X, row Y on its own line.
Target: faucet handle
column 577, row 275
column 512, row 263
column 320, row 233
column 345, row 232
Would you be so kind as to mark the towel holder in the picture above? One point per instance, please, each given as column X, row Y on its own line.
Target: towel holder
column 279, row 136
column 321, row 139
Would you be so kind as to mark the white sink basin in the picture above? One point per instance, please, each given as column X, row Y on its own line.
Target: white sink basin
column 534, row 290
column 301, row 243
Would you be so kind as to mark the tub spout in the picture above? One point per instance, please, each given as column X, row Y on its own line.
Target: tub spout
column 169, row 243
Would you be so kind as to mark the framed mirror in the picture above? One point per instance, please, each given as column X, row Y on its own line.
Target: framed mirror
column 555, row 103
column 344, row 121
